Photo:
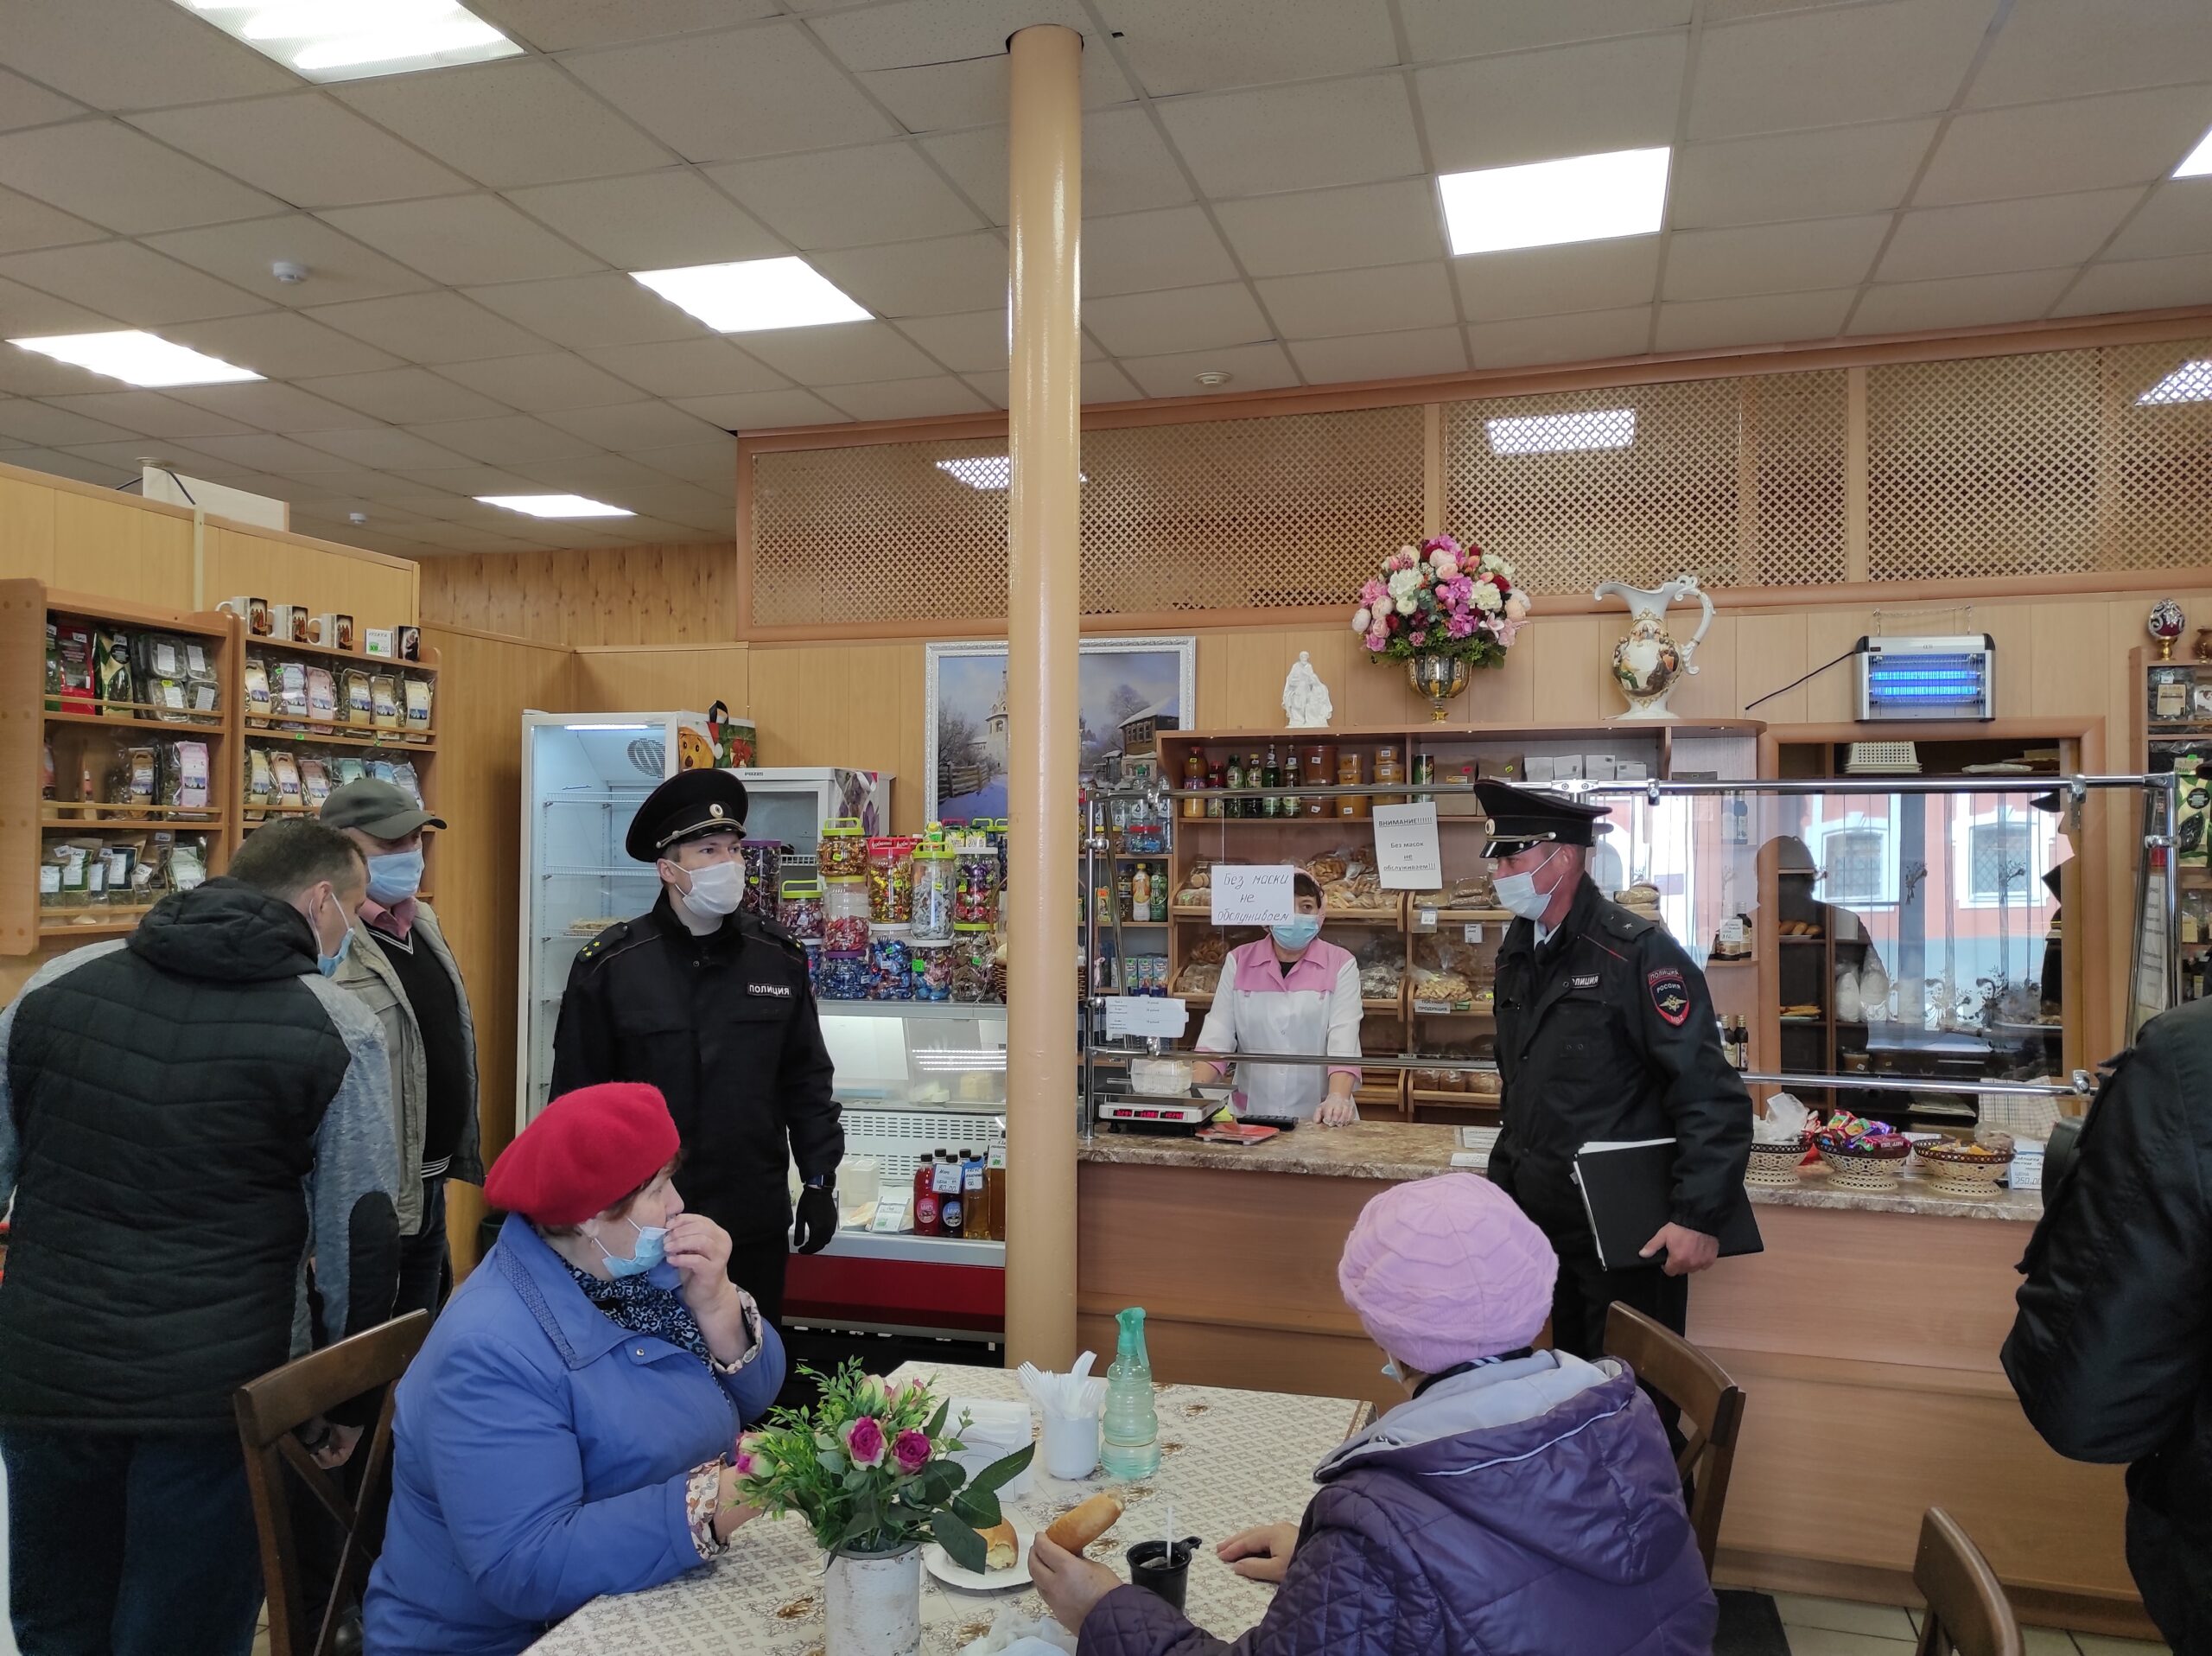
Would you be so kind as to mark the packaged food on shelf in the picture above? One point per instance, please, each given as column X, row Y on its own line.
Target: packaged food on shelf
column 1196, row 890
column 287, row 796
column 260, row 779
column 842, row 853
column 111, row 677
column 322, row 695
column 200, row 673
column 187, row 863
column 259, row 703
column 135, row 780
column 356, row 703
column 345, row 769
column 844, row 976
column 977, row 895
column 184, row 775
column 69, row 668
column 288, row 685
column 972, row 953
column 384, row 701
column 1446, row 974
column 415, row 693
column 891, row 879
column 314, row 780
column 1198, row 978
column 404, row 777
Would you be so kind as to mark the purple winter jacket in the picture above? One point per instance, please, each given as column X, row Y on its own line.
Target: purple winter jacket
column 1526, row 1509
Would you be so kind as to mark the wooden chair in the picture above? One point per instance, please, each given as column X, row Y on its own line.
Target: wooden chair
column 269, row 1411
column 1712, row 1406
column 1967, row 1611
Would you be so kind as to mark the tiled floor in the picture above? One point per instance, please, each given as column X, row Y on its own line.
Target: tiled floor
column 1834, row 1626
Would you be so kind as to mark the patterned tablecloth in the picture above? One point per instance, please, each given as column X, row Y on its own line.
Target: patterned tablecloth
column 1229, row 1459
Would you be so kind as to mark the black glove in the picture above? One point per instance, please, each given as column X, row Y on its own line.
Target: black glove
column 817, row 1219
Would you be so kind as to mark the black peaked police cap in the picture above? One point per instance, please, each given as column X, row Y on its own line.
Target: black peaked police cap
column 689, row 804
column 1519, row 817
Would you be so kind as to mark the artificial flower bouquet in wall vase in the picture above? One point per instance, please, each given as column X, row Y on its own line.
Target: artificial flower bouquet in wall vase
column 1443, row 610
column 867, row 1468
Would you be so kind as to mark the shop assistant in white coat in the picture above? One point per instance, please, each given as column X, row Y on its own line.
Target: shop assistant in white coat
column 1289, row 992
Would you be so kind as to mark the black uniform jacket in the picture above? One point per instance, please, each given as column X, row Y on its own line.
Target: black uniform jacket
column 1607, row 1032
column 725, row 1025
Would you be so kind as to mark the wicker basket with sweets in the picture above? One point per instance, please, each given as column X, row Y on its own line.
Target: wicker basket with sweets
column 1963, row 1169
column 1861, row 1155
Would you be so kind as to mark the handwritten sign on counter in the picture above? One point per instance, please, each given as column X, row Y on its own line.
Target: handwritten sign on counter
column 1253, row 894
column 1145, row 1015
column 1406, row 854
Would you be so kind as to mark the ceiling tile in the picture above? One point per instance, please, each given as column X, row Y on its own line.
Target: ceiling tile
column 846, row 198
column 535, row 384
column 283, row 345
column 604, row 477
column 130, row 282
column 1772, row 258
column 2176, row 219
column 1102, row 382
column 24, row 103
column 270, row 406
column 686, row 503
column 67, row 465
column 462, row 240
column 468, row 481
column 1763, row 319
column 339, row 268
column 431, row 328
column 907, row 399
column 1249, row 368
column 935, row 97
column 26, row 421
column 1959, row 301
column 2130, row 137
column 2062, row 48
column 1337, row 229
column 709, row 466
column 511, row 439
column 1590, row 336
column 975, row 342
column 1405, row 355
column 26, row 311
column 1575, row 100
column 1127, row 166
column 1453, row 28
column 25, row 223
column 152, row 414
column 405, row 396
column 134, row 53
column 579, row 311
column 308, row 149
column 650, row 221
column 1170, row 247
column 263, row 451
column 2032, row 235
column 135, row 454
column 383, row 447
column 699, row 367
column 1823, row 68
column 1174, row 47
column 1546, row 281
column 560, row 25
column 1796, row 174
column 1347, row 131
column 2140, row 284
column 516, row 122
column 757, row 410
column 1360, row 302
column 921, row 278
column 1181, row 319
column 107, row 172
column 940, row 63
column 842, row 353
column 627, row 426
column 746, row 92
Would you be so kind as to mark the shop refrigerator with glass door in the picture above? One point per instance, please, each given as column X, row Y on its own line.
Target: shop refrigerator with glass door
column 791, row 803
column 583, row 777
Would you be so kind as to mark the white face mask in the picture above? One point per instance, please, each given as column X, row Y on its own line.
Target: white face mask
column 716, row 889
column 1518, row 891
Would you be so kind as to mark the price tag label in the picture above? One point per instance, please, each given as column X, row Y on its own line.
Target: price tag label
column 1424, row 919
column 890, row 1212
column 1145, row 1015
column 1474, row 931
column 1406, row 854
column 1254, row 895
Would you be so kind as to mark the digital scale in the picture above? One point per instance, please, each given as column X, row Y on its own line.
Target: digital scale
column 1139, row 1112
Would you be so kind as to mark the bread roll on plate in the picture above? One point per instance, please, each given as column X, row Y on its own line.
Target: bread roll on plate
column 1078, row 1526
column 1001, row 1547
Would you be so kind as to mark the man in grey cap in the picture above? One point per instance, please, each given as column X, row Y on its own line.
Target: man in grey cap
column 403, row 971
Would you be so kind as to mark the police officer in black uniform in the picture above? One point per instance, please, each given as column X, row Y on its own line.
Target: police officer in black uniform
column 1604, row 1032
column 712, row 1006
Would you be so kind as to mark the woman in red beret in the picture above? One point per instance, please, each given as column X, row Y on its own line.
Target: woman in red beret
column 566, row 1431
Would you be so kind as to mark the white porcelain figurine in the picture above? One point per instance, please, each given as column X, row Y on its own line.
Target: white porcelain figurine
column 1305, row 701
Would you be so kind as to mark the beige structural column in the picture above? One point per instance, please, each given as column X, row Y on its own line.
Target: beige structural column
column 1043, row 608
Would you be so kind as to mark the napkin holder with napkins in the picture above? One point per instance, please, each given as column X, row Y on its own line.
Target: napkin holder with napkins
column 996, row 1428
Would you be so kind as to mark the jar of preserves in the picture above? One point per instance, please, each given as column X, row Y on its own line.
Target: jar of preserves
column 1194, row 778
column 1318, row 768
column 800, row 910
column 1349, row 804
column 843, row 853
column 844, row 916
column 1388, row 769
column 891, row 880
column 891, row 964
column 937, row 891
column 764, row 875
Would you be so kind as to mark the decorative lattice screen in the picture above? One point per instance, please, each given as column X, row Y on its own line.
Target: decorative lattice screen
column 2157, row 459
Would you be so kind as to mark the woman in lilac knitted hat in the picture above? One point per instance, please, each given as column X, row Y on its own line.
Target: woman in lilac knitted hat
column 1519, row 1503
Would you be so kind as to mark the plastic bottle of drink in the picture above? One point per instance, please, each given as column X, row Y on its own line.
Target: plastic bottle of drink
column 975, row 1214
column 949, row 1210
column 1131, row 1428
column 927, row 1220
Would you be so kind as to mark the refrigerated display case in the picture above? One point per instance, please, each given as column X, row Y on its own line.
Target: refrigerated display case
column 790, row 803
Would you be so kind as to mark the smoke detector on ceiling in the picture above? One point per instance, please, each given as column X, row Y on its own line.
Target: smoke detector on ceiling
column 289, row 271
column 357, row 517
column 1211, row 377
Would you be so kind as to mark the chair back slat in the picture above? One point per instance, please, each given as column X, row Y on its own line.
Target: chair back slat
column 1967, row 1611
column 1711, row 1405
column 269, row 1411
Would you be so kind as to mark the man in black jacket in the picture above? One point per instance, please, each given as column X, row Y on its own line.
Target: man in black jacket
column 712, row 1006
column 185, row 1117
column 1604, row 1032
column 2111, row 1350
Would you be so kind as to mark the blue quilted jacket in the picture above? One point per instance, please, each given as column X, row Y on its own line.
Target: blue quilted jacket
column 1526, row 1509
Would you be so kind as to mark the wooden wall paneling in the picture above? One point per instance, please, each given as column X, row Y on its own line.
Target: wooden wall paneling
column 26, row 528
column 683, row 593
column 1770, row 653
column 615, row 678
column 375, row 590
column 1710, row 692
column 1828, row 634
column 1571, row 654
column 1240, row 679
column 122, row 547
column 853, row 704
column 2011, row 627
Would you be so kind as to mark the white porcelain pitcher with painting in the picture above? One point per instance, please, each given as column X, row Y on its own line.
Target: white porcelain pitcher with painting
column 1648, row 664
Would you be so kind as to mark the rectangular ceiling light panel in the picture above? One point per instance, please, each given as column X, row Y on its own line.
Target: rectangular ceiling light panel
column 556, row 505
column 352, row 39
column 137, row 359
column 1562, row 434
column 1584, row 197
column 754, row 294
column 987, row 471
column 2198, row 161
column 2189, row 383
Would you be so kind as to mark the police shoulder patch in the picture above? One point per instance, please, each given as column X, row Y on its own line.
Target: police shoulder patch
column 1670, row 995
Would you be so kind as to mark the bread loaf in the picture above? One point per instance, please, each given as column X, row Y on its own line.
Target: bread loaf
column 1078, row 1526
column 1001, row 1548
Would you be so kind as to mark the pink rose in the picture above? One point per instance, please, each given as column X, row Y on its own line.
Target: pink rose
column 1419, row 639
column 1377, row 640
column 910, row 1450
column 1516, row 608
column 1373, row 594
column 864, row 1442
column 746, row 1461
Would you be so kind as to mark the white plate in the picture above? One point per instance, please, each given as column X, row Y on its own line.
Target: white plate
column 941, row 1565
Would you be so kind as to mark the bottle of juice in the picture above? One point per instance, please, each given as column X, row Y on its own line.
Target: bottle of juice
column 994, row 1191
column 927, row 1219
column 975, row 1214
column 949, row 1213
column 1131, row 1428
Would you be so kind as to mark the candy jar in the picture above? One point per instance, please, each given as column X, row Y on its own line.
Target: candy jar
column 843, row 854
column 844, row 916
column 891, row 880
column 801, row 913
column 813, row 947
column 764, row 874
column 937, row 882
column 932, row 969
column 971, row 963
column 844, row 976
column 891, row 964
column 976, row 899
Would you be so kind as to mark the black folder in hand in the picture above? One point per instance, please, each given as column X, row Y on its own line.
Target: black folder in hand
column 1628, row 1192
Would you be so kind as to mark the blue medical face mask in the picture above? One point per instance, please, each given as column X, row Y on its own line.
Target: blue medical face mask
column 394, row 877
column 1391, row 1370
column 1295, row 935
column 651, row 1249
column 328, row 965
